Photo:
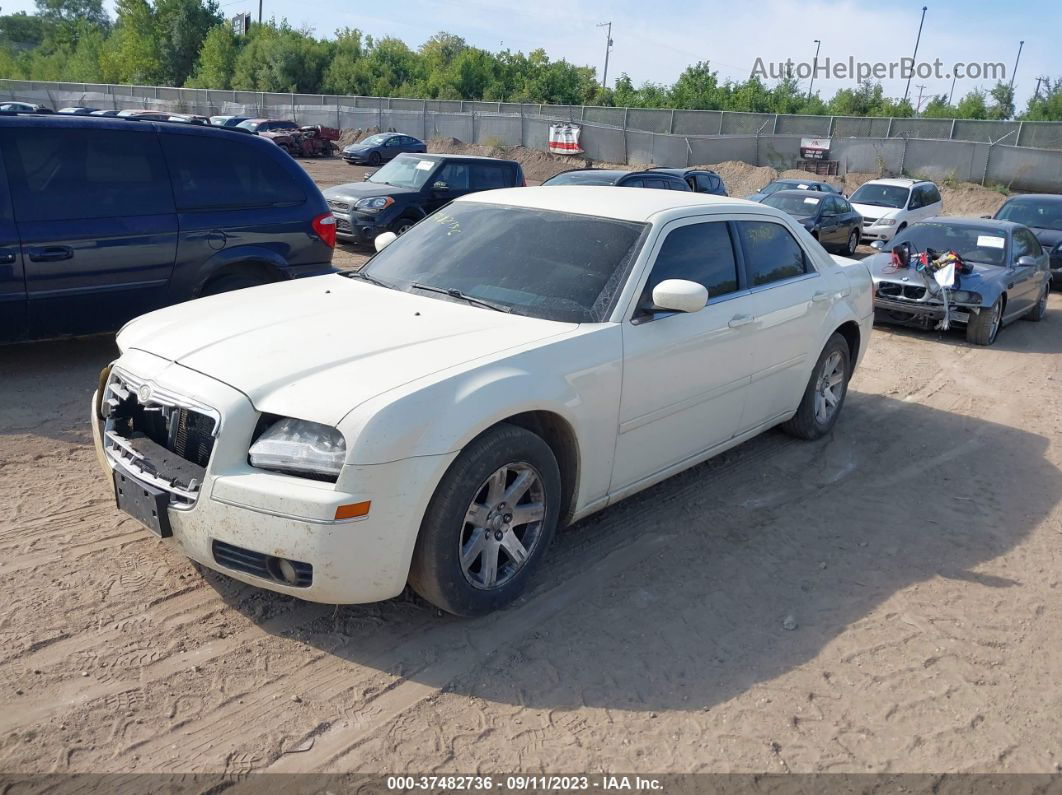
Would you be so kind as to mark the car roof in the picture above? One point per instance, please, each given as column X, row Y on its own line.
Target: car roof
column 443, row 156
column 680, row 172
column 900, row 182
column 607, row 201
column 810, row 194
column 1036, row 198
column 23, row 119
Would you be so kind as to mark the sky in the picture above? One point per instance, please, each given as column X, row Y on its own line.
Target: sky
column 656, row 39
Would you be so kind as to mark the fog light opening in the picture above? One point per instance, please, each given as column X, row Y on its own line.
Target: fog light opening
column 283, row 570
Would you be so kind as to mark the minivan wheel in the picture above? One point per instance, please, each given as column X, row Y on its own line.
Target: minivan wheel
column 230, row 282
column 488, row 524
column 825, row 392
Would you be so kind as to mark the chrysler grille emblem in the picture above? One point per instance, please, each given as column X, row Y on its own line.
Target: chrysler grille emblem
column 144, row 393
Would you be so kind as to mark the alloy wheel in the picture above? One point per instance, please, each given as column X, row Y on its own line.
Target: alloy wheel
column 830, row 388
column 502, row 526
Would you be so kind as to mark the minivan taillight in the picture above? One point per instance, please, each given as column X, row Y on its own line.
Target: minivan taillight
column 324, row 226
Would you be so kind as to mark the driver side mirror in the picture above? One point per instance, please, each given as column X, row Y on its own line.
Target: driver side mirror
column 383, row 241
column 1026, row 262
column 440, row 186
column 680, row 295
column 878, row 245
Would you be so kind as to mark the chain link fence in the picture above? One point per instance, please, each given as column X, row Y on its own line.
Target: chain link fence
column 989, row 153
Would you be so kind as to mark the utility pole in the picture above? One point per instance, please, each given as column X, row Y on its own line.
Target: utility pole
column 1012, row 74
column 918, row 38
column 608, row 46
column 918, row 105
column 1036, row 93
column 951, row 95
column 814, row 67
column 259, row 12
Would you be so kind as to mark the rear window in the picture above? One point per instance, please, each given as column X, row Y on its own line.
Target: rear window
column 78, row 173
column 211, row 173
column 583, row 178
column 486, row 176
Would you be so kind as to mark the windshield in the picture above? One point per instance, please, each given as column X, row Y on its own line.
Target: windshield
column 1046, row 215
column 540, row 263
column 405, row 172
column 373, row 140
column 249, row 125
column 800, row 206
column 984, row 245
column 582, row 178
column 774, row 187
column 881, row 195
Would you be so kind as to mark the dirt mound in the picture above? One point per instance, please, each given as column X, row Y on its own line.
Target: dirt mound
column 348, row 137
column 741, row 178
column 537, row 165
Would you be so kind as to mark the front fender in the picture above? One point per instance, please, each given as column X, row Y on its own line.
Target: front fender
column 444, row 414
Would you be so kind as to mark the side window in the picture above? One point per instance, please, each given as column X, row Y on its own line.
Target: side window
column 771, row 252
column 701, row 253
column 455, row 175
column 486, row 176
column 656, row 182
column 932, row 194
column 1026, row 244
column 60, row 174
column 210, row 173
column 636, row 182
column 918, row 198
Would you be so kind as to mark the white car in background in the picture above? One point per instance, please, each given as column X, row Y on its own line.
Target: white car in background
column 520, row 359
column 889, row 206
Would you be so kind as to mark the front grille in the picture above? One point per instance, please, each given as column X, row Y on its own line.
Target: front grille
column 912, row 292
column 338, row 205
column 869, row 222
column 160, row 438
column 260, row 565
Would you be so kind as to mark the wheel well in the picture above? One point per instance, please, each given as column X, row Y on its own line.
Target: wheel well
column 850, row 332
column 560, row 437
column 259, row 269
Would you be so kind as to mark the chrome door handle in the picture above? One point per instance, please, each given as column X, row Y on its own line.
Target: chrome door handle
column 821, row 296
column 737, row 321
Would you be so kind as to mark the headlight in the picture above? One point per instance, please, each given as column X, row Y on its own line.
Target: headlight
column 886, row 222
column 375, row 204
column 300, row 447
column 965, row 297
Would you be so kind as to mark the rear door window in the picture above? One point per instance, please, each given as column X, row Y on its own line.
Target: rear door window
column 487, row 176
column 455, row 175
column 58, row 174
column 211, row 173
column 771, row 253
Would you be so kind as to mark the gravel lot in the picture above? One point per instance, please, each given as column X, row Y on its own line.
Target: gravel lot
column 885, row 599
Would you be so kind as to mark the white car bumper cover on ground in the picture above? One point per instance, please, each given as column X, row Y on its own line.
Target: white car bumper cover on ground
column 287, row 517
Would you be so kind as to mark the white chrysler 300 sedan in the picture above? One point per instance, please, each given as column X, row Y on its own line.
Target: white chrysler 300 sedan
column 519, row 359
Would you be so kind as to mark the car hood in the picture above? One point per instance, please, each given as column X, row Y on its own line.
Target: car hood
column 316, row 348
column 353, row 191
column 875, row 211
column 1049, row 238
column 983, row 276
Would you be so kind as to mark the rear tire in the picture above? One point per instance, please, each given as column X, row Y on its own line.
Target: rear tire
column 983, row 329
column 374, row 159
column 462, row 561
column 402, row 225
column 1036, row 314
column 232, row 281
column 853, row 243
column 825, row 392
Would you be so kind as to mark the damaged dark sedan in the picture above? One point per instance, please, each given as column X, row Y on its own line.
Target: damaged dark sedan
column 981, row 274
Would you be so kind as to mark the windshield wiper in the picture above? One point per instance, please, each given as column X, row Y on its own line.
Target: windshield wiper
column 369, row 278
column 453, row 292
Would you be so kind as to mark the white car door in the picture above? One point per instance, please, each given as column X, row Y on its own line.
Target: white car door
column 789, row 300
column 684, row 375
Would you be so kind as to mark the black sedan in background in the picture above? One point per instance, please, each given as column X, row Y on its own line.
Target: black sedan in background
column 829, row 217
column 792, row 184
column 1042, row 213
column 700, row 180
column 383, row 146
column 619, row 178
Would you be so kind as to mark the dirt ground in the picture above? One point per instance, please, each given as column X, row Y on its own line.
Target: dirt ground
column 885, row 599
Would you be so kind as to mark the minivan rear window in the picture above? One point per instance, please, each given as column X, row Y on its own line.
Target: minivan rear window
column 67, row 174
column 211, row 173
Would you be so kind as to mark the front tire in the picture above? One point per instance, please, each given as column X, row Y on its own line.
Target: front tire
column 374, row 159
column 488, row 524
column 983, row 329
column 853, row 243
column 402, row 225
column 825, row 392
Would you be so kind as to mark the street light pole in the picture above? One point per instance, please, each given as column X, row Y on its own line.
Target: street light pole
column 1012, row 74
column 918, row 38
column 259, row 12
column 814, row 67
column 608, row 46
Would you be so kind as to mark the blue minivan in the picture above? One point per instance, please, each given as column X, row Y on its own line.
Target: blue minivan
column 104, row 219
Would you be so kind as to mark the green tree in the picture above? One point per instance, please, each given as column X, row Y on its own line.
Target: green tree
column 217, row 59
column 71, row 11
column 1002, row 106
column 132, row 52
column 973, row 106
column 182, row 27
column 1047, row 104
